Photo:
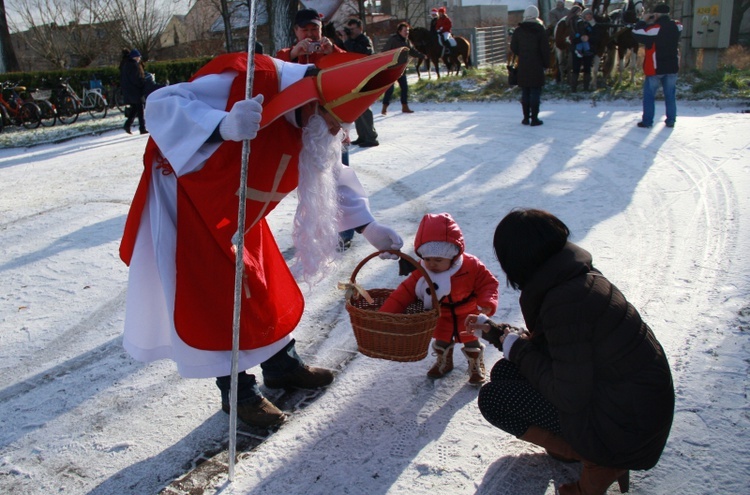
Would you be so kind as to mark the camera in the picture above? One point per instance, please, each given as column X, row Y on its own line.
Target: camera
column 347, row 31
column 314, row 46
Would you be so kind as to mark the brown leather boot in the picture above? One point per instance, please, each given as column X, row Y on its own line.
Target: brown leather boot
column 405, row 108
column 475, row 357
column 263, row 414
column 384, row 111
column 596, row 479
column 555, row 445
column 444, row 363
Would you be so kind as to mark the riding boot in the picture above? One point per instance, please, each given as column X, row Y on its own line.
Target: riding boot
column 384, row 111
column 405, row 108
column 586, row 81
column 526, row 113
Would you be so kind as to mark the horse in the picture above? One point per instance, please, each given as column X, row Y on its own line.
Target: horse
column 622, row 34
column 426, row 43
column 462, row 51
column 603, row 49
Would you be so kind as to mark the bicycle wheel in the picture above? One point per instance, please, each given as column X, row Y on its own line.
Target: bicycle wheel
column 120, row 100
column 67, row 110
column 96, row 105
column 30, row 115
column 49, row 114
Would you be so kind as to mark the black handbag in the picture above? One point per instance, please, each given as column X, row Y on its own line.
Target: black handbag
column 512, row 75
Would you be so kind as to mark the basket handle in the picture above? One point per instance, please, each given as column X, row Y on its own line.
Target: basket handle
column 435, row 302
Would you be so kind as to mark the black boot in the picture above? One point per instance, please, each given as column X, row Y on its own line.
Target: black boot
column 526, row 113
column 573, row 82
column 586, row 81
column 534, row 116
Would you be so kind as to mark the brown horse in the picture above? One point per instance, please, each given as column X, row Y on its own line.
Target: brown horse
column 462, row 51
column 426, row 43
column 622, row 36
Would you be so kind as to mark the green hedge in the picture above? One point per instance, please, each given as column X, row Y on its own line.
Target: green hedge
column 172, row 71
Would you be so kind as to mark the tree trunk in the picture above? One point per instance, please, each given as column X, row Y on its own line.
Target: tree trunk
column 8, row 60
column 280, row 21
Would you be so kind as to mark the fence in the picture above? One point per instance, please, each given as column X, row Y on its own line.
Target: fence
column 489, row 45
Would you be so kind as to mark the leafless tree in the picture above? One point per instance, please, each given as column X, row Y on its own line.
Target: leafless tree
column 62, row 32
column 139, row 23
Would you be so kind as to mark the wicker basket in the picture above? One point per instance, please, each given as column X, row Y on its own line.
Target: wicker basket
column 395, row 337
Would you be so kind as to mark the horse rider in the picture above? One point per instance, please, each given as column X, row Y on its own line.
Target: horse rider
column 443, row 27
column 433, row 20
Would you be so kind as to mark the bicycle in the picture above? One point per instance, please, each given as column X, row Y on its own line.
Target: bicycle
column 15, row 111
column 70, row 105
column 113, row 94
column 48, row 115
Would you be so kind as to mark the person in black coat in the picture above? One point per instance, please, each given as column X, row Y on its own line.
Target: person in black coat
column 531, row 47
column 588, row 381
column 358, row 42
column 398, row 40
column 133, row 85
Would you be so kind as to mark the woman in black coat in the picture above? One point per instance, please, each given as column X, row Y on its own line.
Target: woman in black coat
column 133, row 85
column 588, row 381
column 531, row 46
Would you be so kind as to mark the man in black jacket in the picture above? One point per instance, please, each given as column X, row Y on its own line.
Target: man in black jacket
column 661, row 37
column 358, row 42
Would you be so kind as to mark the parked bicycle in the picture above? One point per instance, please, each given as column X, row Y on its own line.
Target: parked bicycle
column 48, row 115
column 70, row 105
column 15, row 111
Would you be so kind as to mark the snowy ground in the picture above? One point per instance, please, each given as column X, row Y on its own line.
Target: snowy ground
column 665, row 212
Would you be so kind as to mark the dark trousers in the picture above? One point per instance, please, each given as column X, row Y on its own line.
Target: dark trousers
column 510, row 403
column 365, row 126
column 404, row 91
column 283, row 362
column 531, row 96
column 133, row 112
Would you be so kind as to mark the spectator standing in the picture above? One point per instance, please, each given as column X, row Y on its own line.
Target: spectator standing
column 358, row 42
column 531, row 47
column 133, row 86
column 661, row 36
column 310, row 45
column 400, row 39
column 581, row 30
column 558, row 13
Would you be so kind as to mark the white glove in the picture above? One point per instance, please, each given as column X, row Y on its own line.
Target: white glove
column 508, row 342
column 243, row 120
column 383, row 238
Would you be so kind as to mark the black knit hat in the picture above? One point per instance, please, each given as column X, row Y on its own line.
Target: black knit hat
column 661, row 8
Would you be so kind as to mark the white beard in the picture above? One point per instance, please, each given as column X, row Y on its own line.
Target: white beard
column 315, row 232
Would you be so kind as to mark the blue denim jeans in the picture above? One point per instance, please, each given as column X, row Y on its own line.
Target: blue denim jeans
column 668, row 83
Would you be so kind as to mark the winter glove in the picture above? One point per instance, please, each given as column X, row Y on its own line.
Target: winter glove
column 243, row 120
column 383, row 238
